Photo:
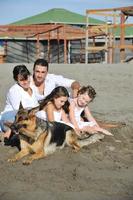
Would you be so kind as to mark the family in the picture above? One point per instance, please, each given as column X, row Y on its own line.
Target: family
column 49, row 92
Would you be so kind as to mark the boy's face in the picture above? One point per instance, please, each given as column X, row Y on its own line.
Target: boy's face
column 83, row 99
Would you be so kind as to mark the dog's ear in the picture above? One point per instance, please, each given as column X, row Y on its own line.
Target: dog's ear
column 21, row 115
column 20, row 106
column 34, row 110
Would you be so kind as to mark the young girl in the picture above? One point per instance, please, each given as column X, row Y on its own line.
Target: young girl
column 80, row 104
column 55, row 106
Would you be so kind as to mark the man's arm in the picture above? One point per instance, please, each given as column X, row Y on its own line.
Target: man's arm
column 75, row 87
column 66, row 82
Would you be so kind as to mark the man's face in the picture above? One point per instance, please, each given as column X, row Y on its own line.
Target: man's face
column 40, row 73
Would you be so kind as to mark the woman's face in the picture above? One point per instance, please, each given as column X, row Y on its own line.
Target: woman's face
column 60, row 101
column 24, row 83
column 83, row 100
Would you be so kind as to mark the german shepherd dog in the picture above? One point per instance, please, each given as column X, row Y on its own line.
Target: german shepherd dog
column 40, row 138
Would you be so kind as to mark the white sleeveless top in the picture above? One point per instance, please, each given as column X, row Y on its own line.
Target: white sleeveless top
column 81, row 124
column 42, row 115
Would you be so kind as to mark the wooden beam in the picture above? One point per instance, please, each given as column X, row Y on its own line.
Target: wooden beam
column 109, row 9
column 105, row 14
column 124, row 46
column 96, row 48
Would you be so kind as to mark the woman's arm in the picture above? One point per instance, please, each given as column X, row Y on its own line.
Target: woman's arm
column 14, row 97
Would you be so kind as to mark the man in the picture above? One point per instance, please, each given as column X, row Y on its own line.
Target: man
column 43, row 82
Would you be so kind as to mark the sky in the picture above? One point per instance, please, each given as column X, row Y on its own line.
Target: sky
column 14, row 10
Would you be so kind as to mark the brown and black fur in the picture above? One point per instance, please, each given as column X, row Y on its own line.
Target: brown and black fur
column 39, row 138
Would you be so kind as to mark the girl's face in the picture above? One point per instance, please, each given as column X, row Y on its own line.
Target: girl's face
column 60, row 101
column 24, row 83
column 83, row 100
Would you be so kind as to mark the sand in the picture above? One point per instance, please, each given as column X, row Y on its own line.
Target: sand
column 101, row 171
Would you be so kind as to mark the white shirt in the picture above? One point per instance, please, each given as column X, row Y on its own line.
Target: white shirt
column 17, row 94
column 51, row 82
column 43, row 115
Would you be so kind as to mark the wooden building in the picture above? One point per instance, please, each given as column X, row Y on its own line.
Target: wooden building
column 61, row 36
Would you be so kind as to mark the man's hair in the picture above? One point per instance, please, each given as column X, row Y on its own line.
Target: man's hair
column 20, row 70
column 42, row 62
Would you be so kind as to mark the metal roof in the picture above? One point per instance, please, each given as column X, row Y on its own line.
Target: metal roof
column 57, row 15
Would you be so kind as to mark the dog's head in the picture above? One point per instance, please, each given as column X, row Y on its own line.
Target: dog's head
column 25, row 114
column 25, row 118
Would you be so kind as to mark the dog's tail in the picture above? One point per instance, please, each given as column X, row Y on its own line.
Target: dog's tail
column 91, row 140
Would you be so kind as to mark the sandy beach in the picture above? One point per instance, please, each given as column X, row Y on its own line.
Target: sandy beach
column 101, row 171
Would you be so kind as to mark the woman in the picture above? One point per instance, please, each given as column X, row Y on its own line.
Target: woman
column 20, row 92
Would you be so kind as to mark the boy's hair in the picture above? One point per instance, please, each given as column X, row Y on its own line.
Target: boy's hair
column 42, row 62
column 56, row 93
column 20, row 70
column 90, row 91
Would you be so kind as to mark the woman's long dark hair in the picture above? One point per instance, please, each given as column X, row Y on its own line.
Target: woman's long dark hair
column 21, row 70
column 56, row 93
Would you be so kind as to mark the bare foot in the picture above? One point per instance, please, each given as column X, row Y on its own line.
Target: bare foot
column 7, row 134
column 106, row 132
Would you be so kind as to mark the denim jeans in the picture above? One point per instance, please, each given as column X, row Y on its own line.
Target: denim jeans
column 7, row 116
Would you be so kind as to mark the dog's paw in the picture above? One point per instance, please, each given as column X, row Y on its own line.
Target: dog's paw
column 76, row 149
column 12, row 160
column 27, row 162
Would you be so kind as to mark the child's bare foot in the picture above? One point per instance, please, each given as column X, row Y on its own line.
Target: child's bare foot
column 106, row 132
column 7, row 134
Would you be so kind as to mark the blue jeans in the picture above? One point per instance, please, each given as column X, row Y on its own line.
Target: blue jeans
column 7, row 116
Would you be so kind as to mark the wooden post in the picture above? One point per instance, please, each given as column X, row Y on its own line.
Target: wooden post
column 58, row 45
column 86, row 41
column 65, row 46
column 110, row 48
column 69, row 51
column 113, row 32
column 49, row 47
column 122, row 38
column 37, row 47
column 106, row 42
